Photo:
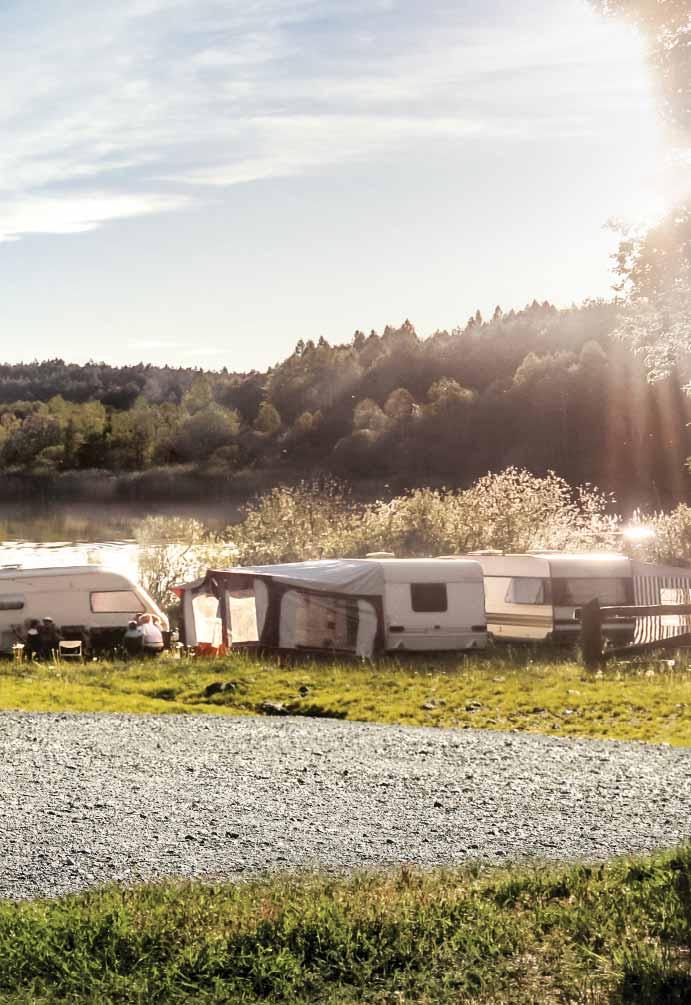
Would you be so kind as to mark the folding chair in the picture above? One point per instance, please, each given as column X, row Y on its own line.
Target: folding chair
column 71, row 650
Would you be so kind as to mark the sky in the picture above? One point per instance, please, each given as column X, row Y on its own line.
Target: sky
column 204, row 182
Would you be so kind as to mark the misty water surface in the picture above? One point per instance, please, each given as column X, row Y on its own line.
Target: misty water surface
column 79, row 534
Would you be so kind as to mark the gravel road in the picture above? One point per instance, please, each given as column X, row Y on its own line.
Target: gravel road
column 90, row 798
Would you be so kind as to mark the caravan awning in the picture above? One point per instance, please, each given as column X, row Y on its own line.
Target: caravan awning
column 357, row 577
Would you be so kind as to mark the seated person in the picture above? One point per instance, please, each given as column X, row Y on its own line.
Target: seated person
column 133, row 639
column 32, row 646
column 48, row 638
column 152, row 637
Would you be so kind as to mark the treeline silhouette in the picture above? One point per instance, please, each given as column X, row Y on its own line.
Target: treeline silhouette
column 542, row 388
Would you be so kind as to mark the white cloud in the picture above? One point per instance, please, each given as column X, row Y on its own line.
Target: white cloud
column 111, row 111
column 74, row 214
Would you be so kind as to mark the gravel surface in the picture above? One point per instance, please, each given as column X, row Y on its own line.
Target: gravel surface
column 90, row 798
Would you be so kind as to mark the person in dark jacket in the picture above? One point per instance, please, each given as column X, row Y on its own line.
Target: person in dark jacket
column 48, row 639
column 133, row 639
column 32, row 644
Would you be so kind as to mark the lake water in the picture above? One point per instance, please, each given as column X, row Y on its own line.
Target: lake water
column 91, row 534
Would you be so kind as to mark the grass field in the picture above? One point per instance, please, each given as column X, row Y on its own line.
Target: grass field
column 618, row 933
column 647, row 701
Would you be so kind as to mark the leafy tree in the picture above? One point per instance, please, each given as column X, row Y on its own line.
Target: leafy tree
column 199, row 396
column 368, row 415
column 654, row 267
column 400, row 405
column 655, row 277
column 666, row 25
column 26, row 441
column 305, row 423
column 268, row 420
column 445, row 393
column 50, row 458
column 82, row 427
column 133, row 436
column 198, row 436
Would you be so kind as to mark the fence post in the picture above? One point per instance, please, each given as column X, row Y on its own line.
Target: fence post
column 591, row 634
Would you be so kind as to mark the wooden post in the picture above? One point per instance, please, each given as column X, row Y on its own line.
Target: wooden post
column 591, row 634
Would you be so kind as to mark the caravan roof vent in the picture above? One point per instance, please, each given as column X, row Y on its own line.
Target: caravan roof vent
column 380, row 554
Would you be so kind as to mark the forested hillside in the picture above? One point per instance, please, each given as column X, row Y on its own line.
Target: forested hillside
column 542, row 388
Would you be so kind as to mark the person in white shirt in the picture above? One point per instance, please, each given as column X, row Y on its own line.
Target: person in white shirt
column 152, row 637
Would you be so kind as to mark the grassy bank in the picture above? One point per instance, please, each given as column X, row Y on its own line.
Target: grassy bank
column 650, row 702
column 619, row 933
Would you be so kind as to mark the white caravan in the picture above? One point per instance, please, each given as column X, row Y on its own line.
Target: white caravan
column 85, row 598
column 361, row 606
column 536, row 597
column 429, row 606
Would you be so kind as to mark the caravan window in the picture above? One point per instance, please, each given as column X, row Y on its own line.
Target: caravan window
column 10, row 602
column 574, row 592
column 116, row 602
column 528, row 590
column 428, row 598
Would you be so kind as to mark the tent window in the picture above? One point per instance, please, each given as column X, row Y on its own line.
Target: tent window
column 207, row 619
column 116, row 602
column 428, row 598
column 11, row 603
column 319, row 622
column 526, row 590
column 242, row 616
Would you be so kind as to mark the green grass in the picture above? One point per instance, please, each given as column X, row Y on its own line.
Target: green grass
column 617, row 933
column 647, row 701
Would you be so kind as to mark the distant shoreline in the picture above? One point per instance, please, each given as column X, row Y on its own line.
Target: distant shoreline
column 166, row 484
column 101, row 486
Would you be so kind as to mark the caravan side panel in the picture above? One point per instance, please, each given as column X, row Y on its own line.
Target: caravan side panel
column 517, row 597
column 427, row 615
column 516, row 611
